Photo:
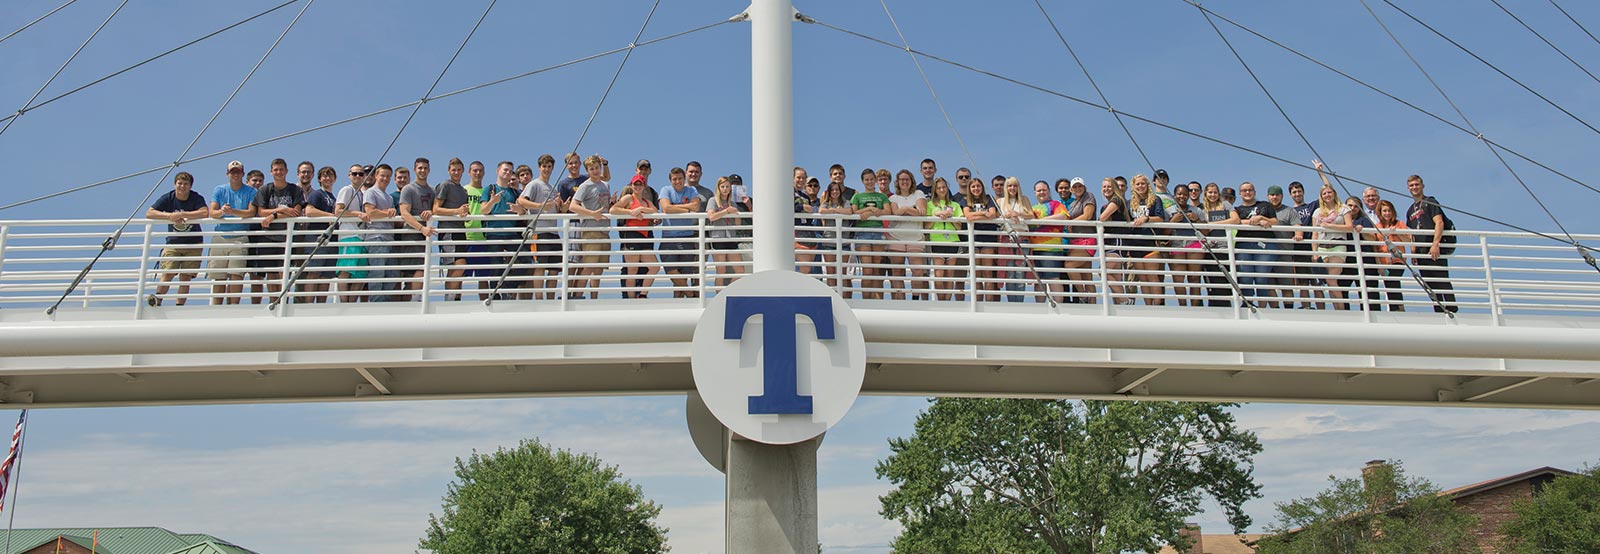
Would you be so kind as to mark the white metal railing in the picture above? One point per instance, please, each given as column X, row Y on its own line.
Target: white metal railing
column 1497, row 273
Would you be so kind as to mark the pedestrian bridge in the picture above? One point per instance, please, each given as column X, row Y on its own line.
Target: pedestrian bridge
column 1525, row 335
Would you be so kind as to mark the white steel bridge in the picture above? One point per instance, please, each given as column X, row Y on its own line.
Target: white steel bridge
column 1524, row 336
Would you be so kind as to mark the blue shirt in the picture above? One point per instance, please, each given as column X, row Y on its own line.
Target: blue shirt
column 568, row 186
column 508, row 196
column 673, row 196
column 224, row 196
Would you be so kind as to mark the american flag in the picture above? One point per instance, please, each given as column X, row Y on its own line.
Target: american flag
column 11, row 457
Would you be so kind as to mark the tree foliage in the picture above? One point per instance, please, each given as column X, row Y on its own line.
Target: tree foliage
column 533, row 498
column 1562, row 518
column 1034, row 476
column 1384, row 513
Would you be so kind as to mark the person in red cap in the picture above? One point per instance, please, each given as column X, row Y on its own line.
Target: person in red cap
column 637, row 201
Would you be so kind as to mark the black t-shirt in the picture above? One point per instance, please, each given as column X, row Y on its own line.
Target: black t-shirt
column 1420, row 216
column 269, row 197
column 190, row 232
column 1264, row 209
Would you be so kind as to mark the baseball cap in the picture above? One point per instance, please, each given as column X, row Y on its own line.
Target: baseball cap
column 236, row 164
column 637, row 179
column 1161, row 174
column 736, row 178
column 1077, row 181
column 1274, row 189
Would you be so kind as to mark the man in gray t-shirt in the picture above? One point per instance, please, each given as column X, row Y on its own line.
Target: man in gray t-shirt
column 380, row 208
column 541, row 199
column 591, row 201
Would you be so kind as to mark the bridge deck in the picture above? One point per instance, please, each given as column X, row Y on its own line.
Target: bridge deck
column 1523, row 337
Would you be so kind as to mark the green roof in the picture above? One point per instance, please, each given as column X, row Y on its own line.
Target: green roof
column 125, row 540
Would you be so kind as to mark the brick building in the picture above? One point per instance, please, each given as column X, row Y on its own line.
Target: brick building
column 1489, row 501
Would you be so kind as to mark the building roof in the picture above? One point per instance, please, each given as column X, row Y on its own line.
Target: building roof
column 1476, row 488
column 1222, row 544
column 125, row 540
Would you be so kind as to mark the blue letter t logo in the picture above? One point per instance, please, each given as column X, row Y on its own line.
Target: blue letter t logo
column 779, row 391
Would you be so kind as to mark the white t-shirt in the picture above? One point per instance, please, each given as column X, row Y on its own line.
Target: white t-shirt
column 906, row 231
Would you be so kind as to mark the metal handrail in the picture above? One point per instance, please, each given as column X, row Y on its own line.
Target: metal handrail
column 1493, row 272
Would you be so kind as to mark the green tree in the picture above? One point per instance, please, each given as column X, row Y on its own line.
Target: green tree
column 1562, row 518
column 1384, row 512
column 533, row 498
column 1035, row 476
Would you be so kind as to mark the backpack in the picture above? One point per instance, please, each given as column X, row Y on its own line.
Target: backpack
column 1448, row 241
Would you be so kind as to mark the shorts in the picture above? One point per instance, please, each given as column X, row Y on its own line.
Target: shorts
column 946, row 249
column 688, row 258
column 597, row 250
column 350, row 258
column 724, row 245
column 408, row 247
column 235, row 248
column 1081, row 241
column 1194, row 245
column 907, row 247
column 869, row 235
column 173, row 258
column 550, row 246
column 476, row 248
column 448, row 248
column 636, row 235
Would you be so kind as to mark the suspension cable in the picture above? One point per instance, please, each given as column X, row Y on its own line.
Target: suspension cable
column 111, row 241
column 41, row 18
column 528, row 229
column 1205, row 244
column 1390, row 96
column 1194, row 134
column 147, row 60
column 1426, row 288
column 1536, row 200
column 322, row 240
column 1547, row 42
column 1016, row 241
column 1575, row 22
column 1492, row 66
column 356, row 118
column 63, row 67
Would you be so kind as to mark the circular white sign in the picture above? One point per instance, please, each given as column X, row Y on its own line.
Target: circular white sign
column 778, row 357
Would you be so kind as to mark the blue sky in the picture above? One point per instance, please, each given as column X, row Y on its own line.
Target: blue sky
column 363, row 477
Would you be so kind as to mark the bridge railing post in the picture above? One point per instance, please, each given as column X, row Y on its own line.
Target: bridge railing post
column 426, row 290
column 1362, row 283
column 144, row 272
column 1488, row 281
column 1101, row 282
column 972, row 267
column 1233, row 269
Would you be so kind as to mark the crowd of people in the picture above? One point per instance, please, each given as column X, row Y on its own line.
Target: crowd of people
column 895, row 235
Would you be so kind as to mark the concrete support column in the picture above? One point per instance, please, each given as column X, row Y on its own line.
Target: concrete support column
column 772, row 497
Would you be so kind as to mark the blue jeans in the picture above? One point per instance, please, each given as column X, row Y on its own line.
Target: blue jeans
column 375, row 270
column 1250, row 252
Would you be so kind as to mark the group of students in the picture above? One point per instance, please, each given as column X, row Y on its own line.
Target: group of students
column 944, row 231
column 1007, row 238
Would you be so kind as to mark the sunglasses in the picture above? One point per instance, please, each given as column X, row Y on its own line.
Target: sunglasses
column 358, row 173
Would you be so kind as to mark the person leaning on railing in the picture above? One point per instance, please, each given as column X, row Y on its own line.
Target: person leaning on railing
column 591, row 201
column 1392, row 266
column 1186, row 265
column 946, row 238
column 980, row 210
column 721, row 214
column 1431, row 256
column 181, row 257
column 638, row 258
column 1080, row 208
column 833, row 202
column 1140, row 243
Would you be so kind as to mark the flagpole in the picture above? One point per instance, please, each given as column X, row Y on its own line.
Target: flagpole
column 21, row 440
